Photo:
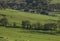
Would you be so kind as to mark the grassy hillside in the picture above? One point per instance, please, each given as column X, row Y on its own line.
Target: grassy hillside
column 17, row 16
column 18, row 34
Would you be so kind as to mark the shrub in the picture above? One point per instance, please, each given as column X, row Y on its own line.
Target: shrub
column 37, row 26
column 26, row 24
column 4, row 21
column 50, row 26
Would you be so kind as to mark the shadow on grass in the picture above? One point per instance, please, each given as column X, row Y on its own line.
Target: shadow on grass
column 50, row 33
column 13, row 27
column 34, row 31
column 38, row 32
column 3, row 39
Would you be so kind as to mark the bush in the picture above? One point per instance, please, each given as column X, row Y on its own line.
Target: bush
column 4, row 21
column 50, row 26
column 37, row 26
column 26, row 24
column 44, row 13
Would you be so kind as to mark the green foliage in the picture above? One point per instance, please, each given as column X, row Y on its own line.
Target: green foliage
column 26, row 24
column 50, row 26
column 27, row 5
column 4, row 21
column 19, row 34
column 36, row 26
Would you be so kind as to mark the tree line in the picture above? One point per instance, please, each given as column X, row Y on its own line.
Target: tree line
column 26, row 24
column 33, row 6
column 38, row 26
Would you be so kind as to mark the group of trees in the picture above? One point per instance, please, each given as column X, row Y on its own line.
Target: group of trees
column 4, row 22
column 35, row 6
column 38, row 26
column 28, row 25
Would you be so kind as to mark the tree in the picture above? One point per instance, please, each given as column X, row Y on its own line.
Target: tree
column 50, row 26
column 42, row 5
column 37, row 26
column 26, row 24
column 4, row 21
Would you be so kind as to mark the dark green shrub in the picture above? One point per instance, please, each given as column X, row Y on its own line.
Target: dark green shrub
column 4, row 21
column 26, row 24
column 50, row 26
column 38, row 26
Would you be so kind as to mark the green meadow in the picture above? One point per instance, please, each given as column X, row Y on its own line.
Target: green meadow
column 18, row 34
column 18, row 16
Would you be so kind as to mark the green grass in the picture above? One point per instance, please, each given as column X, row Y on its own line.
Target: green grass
column 17, row 16
column 18, row 34
column 55, row 1
column 12, row 34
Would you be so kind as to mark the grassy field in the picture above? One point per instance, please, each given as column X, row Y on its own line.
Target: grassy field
column 18, row 34
column 17, row 16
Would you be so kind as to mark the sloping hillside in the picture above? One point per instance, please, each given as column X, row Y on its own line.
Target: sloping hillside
column 17, row 16
column 18, row 34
